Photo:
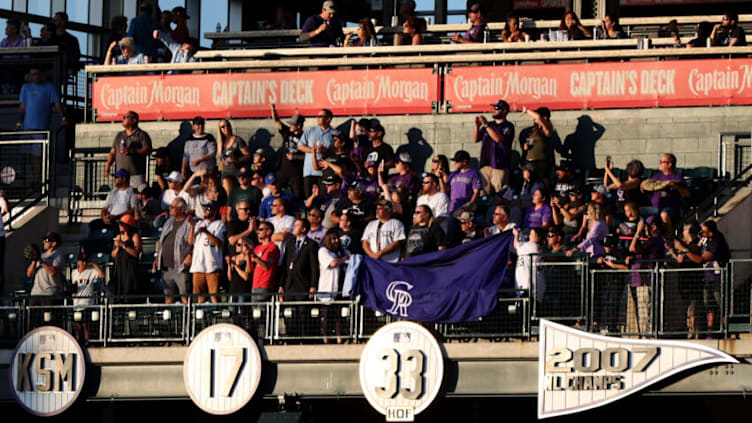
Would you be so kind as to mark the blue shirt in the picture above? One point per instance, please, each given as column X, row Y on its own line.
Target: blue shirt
column 142, row 30
column 309, row 137
column 37, row 99
column 265, row 209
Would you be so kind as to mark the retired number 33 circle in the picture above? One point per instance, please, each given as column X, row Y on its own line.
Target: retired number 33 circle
column 401, row 369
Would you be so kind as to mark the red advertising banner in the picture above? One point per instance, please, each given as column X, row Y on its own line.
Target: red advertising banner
column 539, row 4
column 345, row 92
column 673, row 2
column 601, row 85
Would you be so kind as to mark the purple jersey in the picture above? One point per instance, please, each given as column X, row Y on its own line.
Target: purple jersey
column 535, row 218
column 667, row 198
column 462, row 185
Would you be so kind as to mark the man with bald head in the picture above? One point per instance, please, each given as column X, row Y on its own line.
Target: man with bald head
column 173, row 256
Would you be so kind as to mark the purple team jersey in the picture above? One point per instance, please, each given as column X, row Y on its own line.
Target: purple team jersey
column 462, row 185
column 667, row 198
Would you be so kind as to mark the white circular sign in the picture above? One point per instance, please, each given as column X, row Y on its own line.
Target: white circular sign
column 47, row 371
column 8, row 175
column 222, row 369
column 401, row 370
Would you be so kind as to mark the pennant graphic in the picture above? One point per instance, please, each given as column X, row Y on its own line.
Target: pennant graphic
column 578, row 371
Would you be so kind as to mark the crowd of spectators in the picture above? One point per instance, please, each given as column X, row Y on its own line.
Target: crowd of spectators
column 250, row 226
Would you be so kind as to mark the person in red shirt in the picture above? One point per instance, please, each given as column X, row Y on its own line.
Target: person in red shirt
column 265, row 258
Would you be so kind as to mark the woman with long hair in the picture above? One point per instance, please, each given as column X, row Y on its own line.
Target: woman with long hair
column 571, row 23
column 126, row 250
column 366, row 35
column 235, row 152
column 332, row 257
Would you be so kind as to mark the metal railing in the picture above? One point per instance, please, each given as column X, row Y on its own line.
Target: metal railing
column 654, row 301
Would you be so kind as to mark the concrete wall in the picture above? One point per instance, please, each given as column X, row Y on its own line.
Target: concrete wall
column 691, row 133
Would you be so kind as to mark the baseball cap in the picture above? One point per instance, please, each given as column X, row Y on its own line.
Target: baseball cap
column 122, row 173
column 384, row 203
column 162, row 153
column 259, row 152
column 501, row 104
column 328, row 6
column 82, row 256
column 142, row 188
column 404, row 157
column 198, row 120
column 51, row 236
column 370, row 163
column 211, row 205
column 174, row 176
column 180, row 11
column 601, row 189
column 475, row 8
column 270, row 178
column 528, row 166
column 460, row 156
column 127, row 220
column 332, row 179
column 296, row 119
column 467, row 216
column 564, row 165
column 358, row 185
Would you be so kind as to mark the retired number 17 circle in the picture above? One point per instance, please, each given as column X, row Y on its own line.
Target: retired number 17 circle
column 401, row 370
column 222, row 369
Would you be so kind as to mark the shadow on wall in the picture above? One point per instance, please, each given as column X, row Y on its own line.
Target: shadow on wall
column 579, row 146
column 418, row 148
column 177, row 145
column 262, row 138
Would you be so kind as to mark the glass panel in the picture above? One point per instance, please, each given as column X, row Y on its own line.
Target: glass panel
column 95, row 12
column 424, row 5
column 6, row 4
column 211, row 13
column 129, row 9
column 171, row 4
column 83, row 43
column 36, row 30
column 456, row 19
column 39, row 7
column 457, row 4
column 77, row 10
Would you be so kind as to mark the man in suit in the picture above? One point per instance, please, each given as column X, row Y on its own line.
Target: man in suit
column 300, row 273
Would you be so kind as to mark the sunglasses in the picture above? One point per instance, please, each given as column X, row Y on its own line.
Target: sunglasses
column 244, row 208
column 552, row 235
column 427, row 182
column 223, row 126
column 129, row 117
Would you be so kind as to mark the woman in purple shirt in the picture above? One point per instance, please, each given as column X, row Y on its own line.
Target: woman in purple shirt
column 539, row 215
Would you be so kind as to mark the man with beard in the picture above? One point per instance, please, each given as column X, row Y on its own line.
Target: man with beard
column 496, row 137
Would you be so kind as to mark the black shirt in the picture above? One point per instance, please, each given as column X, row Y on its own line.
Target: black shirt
column 424, row 239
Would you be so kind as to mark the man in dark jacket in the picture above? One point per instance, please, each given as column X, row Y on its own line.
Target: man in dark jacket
column 299, row 273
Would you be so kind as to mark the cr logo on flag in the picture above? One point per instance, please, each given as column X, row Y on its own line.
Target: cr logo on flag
column 400, row 298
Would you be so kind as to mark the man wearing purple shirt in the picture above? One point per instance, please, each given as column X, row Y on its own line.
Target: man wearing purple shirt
column 475, row 33
column 496, row 137
column 406, row 176
column 464, row 183
column 539, row 215
column 667, row 201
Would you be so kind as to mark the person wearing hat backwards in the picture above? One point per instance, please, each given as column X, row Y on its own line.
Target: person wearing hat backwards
column 475, row 33
column 47, row 271
column 496, row 147
column 291, row 159
column 126, row 250
column 200, row 150
column 322, row 30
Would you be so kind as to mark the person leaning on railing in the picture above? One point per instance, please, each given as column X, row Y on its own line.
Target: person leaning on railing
column 571, row 23
column 728, row 33
column 512, row 32
column 322, row 30
column 366, row 35
column 477, row 31
column 331, row 257
column 412, row 31
column 128, row 57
